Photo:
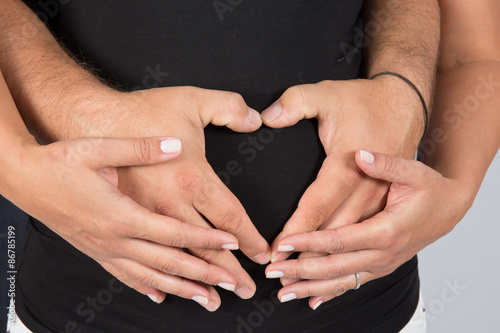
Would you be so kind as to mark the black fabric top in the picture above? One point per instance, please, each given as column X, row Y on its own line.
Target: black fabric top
column 256, row 48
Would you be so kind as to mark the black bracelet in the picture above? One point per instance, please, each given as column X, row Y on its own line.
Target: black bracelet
column 426, row 111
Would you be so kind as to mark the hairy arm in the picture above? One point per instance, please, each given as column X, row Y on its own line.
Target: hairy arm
column 402, row 37
column 465, row 127
column 56, row 96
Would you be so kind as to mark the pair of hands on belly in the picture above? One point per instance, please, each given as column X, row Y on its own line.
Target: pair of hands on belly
column 160, row 243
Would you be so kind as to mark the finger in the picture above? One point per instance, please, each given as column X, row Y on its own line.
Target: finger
column 312, row 288
column 108, row 152
column 367, row 235
column 316, row 301
column 297, row 103
column 244, row 286
column 134, row 274
column 285, row 282
column 176, row 262
column 367, row 200
column 318, row 203
column 392, row 169
column 216, row 202
column 168, row 231
column 323, row 268
column 229, row 109
column 155, row 295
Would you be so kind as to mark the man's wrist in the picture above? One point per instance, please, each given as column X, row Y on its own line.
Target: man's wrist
column 405, row 106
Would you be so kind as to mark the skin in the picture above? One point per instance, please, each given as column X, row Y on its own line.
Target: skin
column 36, row 67
column 425, row 201
column 56, row 172
column 383, row 114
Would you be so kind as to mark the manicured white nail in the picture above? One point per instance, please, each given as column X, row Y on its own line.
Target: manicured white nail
column 200, row 300
column 227, row 286
column 274, row 274
column 288, row 297
column 367, row 157
column 170, row 146
column 286, row 248
column 153, row 298
column 273, row 112
column 230, row 246
column 317, row 305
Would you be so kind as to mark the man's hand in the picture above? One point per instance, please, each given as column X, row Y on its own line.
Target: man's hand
column 74, row 191
column 422, row 206
column 351, row 115
column 188, row 189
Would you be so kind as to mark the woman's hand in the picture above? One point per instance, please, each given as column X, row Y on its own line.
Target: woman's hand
column 422, row 206
column 73, row 189
column 383, row 115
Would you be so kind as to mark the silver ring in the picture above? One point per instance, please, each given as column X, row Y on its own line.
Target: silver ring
column 358, row 281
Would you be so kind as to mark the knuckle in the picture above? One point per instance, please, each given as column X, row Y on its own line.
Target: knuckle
column 236, row 102
column 208, row 255
column 342, row 287
column 169, row 266
column 231, row 222
column 314, row 216
column 294, row 97
column 334, row 272
column 391, row 165
column 144, row 151
column 178, row 240
column 189, row 181
column 147, row 280
column 336, row 245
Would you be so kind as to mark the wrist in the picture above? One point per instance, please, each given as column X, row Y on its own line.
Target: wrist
column 82, row 111
column 404, row 107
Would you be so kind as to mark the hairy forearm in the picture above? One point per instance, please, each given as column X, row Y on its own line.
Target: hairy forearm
column 55, row 95
column 403, row 36
column 465, row 129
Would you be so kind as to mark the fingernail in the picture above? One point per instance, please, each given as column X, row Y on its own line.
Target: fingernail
column 153, row 298
column 317, row 305
column 262, row 258
column 211, row 306
column 273, row 112
column 254, row 117
column 279, row 256
column 274, row 274
column 171, row 146
column 227, row 286
column 244, row 292
column 367, row 157
column 230, row 246
column 288, row 297
column 286, row 248
column 200, row 300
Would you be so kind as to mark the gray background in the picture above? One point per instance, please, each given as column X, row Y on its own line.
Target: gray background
column 468, row 257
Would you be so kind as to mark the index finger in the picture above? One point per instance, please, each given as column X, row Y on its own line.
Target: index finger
column 219, row 205
column 365, row 235
column 169, row 231
column 331, row 187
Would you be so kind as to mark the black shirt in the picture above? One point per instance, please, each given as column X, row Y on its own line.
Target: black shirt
column 256, row 48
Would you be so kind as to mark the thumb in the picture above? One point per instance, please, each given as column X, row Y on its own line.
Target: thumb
column 392, row 169
column 297, row 103
column 108, row 152
column 223, row 108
